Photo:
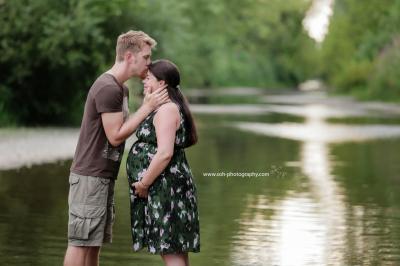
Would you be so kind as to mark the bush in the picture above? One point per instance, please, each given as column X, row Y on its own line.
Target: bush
column 385, row 81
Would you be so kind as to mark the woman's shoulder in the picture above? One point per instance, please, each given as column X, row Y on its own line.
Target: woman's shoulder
column 167, row 113
column 168, row 108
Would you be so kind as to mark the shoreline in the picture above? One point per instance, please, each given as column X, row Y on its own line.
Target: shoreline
column 24, row 147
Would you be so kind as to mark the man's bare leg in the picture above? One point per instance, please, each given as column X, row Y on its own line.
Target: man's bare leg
column 75, row 256
column 92, row 257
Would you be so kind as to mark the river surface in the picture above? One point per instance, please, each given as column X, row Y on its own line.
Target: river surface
column 297, row 179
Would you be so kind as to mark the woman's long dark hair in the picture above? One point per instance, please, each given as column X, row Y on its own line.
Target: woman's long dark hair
column 169, row 72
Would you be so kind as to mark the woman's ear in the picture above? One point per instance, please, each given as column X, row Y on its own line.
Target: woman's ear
column 161, row 82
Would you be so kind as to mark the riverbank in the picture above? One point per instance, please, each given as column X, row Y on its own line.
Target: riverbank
column 24, row 147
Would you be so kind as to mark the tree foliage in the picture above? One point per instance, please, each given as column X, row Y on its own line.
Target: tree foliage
column 51, row 51
column 361, row 51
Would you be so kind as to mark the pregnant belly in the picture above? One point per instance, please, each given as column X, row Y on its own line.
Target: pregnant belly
column 139, row 158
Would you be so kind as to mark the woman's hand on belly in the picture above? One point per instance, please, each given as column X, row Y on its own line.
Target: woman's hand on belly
column 140, row 190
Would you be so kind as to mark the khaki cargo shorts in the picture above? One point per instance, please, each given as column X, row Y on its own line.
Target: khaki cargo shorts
column 91, row 210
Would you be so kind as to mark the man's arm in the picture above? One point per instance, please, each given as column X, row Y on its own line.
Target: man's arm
column 117, row 131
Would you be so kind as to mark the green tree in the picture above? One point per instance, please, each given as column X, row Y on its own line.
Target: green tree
column 51, row 50
column 360, row 52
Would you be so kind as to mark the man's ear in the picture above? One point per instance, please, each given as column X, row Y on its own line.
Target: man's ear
column 129, row 56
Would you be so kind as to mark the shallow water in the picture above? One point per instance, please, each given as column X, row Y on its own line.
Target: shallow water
column 330, row 194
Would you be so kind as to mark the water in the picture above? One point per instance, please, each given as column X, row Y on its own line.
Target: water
column 330, row 194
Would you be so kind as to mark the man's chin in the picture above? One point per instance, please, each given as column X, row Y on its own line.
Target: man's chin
column 143, row 75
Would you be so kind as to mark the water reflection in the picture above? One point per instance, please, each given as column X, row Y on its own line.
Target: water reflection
column 316, row 164
column 306, row 229
column 316, row 129
column 293, row 235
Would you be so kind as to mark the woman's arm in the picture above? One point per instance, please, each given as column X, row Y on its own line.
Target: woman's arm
column 166, row 122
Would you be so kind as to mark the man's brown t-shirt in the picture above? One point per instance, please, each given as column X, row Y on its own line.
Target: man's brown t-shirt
column 94, row 155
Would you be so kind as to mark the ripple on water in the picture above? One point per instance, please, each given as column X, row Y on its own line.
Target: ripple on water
column 274, row 233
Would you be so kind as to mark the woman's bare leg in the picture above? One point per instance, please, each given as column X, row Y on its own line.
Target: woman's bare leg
column 176, row 259
column 187, row 259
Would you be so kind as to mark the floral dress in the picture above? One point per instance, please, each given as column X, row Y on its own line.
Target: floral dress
column 167, row 220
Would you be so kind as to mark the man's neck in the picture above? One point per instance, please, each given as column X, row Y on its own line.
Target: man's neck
column 118, row 72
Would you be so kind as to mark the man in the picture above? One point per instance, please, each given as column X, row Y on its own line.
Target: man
column 100, row 147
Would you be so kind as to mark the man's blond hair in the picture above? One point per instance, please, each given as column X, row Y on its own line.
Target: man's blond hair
column 132, row 41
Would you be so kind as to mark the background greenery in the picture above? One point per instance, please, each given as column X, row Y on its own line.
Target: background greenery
column 361, row 53
column 51, row 51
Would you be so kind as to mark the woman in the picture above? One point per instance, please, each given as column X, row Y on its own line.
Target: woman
column 164, row 213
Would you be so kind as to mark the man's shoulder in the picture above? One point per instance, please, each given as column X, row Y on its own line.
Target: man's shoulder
column 104, row 81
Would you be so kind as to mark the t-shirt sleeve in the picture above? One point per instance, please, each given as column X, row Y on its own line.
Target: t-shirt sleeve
column 108, row 100
column 126, row 91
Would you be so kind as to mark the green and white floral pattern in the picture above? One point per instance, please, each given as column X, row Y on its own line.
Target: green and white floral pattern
column 167, row 221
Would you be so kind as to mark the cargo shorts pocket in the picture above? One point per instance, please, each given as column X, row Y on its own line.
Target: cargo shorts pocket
column 73, row 187
column 73, row 179
column 97, row 191
column 84, row 219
